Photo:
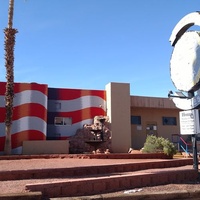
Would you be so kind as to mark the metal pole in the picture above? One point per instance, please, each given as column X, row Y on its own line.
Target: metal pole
column 194, row 147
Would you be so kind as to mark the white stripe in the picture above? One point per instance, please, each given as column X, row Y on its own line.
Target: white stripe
column 17, row 150
column 2, row 129
column 25, row 123
column 52, row 129
column 27, row 96
column 2, row 101
column 66, row 131
column 76, row 104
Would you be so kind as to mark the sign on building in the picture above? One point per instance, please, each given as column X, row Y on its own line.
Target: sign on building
column 189, row 122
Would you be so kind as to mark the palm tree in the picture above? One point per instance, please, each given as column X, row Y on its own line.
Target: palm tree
column 9, row 64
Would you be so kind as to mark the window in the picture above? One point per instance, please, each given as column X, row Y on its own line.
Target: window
column 136, row 120
column 63, row 121
column 169, row 121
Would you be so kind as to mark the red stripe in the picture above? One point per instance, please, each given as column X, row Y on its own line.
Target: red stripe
column 2, row 143
column 69, row 94
column 2, row 88
column 31, row 109
column 20, row 87
column 18, row 138
column 77, row 116
column 2, row 114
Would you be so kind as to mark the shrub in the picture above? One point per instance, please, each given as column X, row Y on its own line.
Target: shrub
column 155, row 144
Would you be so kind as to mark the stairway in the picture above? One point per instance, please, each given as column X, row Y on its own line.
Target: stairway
column 91, row 180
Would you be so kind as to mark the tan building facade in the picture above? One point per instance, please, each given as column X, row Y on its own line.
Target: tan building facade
column 150, row 115
column 118, row 110
column 132, row 118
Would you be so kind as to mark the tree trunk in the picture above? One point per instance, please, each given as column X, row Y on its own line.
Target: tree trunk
column 9, row 64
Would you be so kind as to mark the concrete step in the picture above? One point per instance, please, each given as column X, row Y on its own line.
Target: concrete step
column 107, row 176
column 90, row 170
column 112, row 182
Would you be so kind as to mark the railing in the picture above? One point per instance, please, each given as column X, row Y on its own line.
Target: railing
column 182, row 144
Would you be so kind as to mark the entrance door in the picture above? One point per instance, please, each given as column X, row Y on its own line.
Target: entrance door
column 151, row 128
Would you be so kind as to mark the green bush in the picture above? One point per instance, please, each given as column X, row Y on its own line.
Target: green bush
column 155, row 144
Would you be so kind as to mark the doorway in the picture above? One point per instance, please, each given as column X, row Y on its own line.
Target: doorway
column 151, row 128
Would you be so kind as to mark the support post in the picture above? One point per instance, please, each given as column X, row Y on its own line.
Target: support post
column 194, row 148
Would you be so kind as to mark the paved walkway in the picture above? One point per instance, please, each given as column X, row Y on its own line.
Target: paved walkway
column 7, row 165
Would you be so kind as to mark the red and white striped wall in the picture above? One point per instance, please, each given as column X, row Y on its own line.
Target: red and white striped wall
column 29, row 114
column 79, row 105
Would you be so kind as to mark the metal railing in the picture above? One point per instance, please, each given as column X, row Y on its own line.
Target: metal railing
column 182, row 145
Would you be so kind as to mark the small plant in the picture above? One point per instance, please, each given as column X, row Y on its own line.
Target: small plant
column 155, row 144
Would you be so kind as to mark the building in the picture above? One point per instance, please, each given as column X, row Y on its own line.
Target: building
column 54, row 114
column 150, row 115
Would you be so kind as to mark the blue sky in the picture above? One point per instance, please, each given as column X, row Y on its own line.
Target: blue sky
column 86, row 44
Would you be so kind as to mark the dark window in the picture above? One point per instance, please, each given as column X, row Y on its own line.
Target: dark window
column 136, row 120
column 169, row 121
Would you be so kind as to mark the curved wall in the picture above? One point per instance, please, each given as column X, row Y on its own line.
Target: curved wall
column 29, row 114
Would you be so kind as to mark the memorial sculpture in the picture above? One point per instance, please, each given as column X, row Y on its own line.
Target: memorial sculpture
column 92, row 138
